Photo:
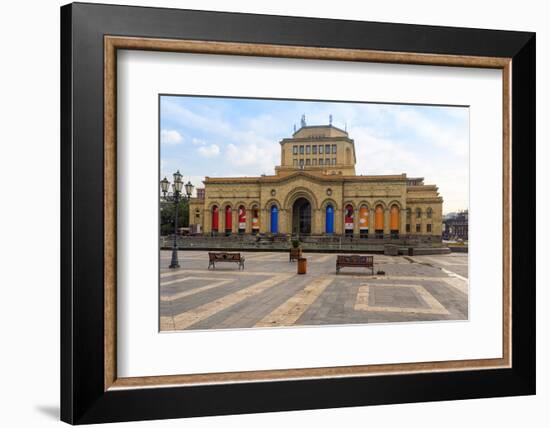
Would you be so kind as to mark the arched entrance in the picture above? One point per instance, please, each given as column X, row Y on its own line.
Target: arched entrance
column 301, row 217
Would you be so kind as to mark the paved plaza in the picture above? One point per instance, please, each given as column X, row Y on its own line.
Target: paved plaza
column 269, row 293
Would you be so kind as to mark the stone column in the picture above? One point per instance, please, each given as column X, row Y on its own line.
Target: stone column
column 371, row 222
column 356, row 221
column 207, row 221
column 403, row 223
column 317, row 222
column 338, row 221
column 221, row 220
column 248, row 228
column 263, row 220
column 386, row 221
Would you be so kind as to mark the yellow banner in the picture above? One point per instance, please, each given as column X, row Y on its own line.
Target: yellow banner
column 363, row 218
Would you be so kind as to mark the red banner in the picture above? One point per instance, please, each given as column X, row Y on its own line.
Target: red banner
column 215, row 218
column 242, row 217
column 348, row 217
column 228, row 219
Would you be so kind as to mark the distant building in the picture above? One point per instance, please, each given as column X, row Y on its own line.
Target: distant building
column 315, row 191
column 455, row 226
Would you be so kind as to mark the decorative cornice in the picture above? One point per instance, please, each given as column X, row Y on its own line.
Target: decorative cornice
column 304, row 174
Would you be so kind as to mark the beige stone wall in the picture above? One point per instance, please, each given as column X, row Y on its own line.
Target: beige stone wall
column 345, row 153
column 319, row 136
column 357, row 191
column 232, row 194
column 196, row 212
column 426, row 209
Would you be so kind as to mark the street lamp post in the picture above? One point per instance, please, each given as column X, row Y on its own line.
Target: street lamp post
column 176, row 196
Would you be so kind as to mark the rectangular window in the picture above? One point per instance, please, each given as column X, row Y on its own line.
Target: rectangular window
column 333, row 161
column 408, row 228
column 418, row 228
column 320, row 161
column 301, row 150
column 327, row 149
column 295, row 150
column 314, row 150
column 301, row 162
column 308, row 150
column 334, row 149
column 321, row 150
column 314, row 161
column 327, row 161
column 429, row 228
column 308, row 162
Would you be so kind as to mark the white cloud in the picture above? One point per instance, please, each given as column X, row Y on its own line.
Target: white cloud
column 453, row 139
column 253, row 158
column 170, row 136
column 376, row 155
column 209, row 151
column 197, row 142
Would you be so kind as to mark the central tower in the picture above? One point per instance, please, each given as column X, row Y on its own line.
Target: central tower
column 319, row 149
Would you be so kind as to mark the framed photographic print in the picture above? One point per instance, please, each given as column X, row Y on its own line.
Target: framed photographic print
column 265, row 213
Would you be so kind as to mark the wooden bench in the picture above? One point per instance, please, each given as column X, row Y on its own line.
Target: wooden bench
column 355, row 261
column 214, row 258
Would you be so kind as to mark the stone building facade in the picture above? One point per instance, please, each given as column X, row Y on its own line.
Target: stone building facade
column 315, row 191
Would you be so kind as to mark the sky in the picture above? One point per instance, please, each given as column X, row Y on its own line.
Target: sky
column 234, row 137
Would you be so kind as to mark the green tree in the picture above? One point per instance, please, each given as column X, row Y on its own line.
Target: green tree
column 167, row 216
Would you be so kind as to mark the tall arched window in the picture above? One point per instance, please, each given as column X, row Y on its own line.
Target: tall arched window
column 379, row 221
column 429, row 214
column 215, row 219
column 418, row 213
column 329, row 219
column 228, row 220
column 274, row 219
column 242, row 219
column 363, row 221
column 394, row 221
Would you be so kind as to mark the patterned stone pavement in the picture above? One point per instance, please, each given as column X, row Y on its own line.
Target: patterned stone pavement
column 269, row 293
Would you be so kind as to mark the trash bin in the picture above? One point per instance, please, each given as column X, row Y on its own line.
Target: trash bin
column 411, row 251
column 302, row 265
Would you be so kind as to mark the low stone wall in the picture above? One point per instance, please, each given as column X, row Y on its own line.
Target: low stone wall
column 324, row 244
column 424, row 251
